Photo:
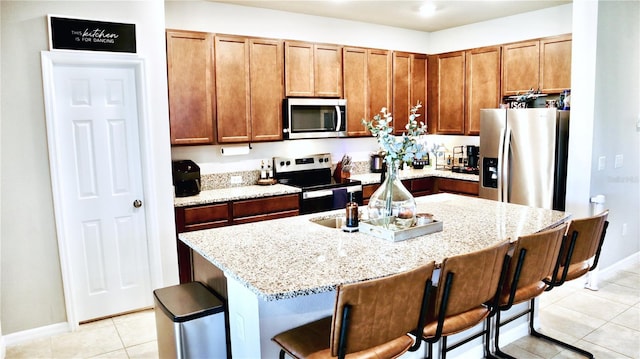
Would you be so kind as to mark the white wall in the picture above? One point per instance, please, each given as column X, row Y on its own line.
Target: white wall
column 31, row 284
column 616, row 109
column 535, row 24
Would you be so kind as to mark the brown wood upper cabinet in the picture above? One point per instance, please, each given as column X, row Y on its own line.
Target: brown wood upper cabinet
column 543, row 64
column 555, row 64
column 367, row 85
column 446, row 81
column 460, row 84
column 409, row 87
column 313, row 70
column 249, row 88
column 191, row 88
column 482, row 82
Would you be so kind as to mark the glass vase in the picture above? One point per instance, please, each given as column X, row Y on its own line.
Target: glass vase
column 392, row 205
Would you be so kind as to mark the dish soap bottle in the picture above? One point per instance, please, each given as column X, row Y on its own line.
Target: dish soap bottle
column 351, row 219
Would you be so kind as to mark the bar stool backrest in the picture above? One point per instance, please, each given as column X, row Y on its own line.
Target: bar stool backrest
column 589, row 232
column 380, row 310
column 534, row 258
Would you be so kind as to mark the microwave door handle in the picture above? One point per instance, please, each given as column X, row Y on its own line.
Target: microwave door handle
column 339, row 124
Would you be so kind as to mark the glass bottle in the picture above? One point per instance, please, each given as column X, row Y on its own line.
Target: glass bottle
column 351, row 220
column 392, row 204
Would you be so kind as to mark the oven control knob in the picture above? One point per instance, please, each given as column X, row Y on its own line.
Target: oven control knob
column 288, row 163
column 281, row 163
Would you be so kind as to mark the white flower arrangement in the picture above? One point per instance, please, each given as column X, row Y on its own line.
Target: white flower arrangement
column 401, row 149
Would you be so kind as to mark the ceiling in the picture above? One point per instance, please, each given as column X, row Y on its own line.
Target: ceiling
column 404, row 14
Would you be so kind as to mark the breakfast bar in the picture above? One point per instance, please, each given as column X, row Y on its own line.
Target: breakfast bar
column 282, row 273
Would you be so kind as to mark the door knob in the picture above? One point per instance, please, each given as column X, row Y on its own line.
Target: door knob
column 137, row 203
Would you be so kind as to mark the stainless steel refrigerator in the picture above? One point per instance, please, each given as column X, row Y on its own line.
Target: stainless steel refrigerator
column 523, row 156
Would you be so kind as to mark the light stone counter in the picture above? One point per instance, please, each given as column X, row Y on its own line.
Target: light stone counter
column 411, row 173
column 282, row 273
column 234, row 194
column 255, row 191
column 269, row 257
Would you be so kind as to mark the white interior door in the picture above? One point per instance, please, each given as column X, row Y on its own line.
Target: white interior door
column 96, row 149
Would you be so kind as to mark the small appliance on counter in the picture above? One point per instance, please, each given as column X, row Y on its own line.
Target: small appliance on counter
column 186, row 178
column 465, row 159
column 377, row 162
column 419, row 164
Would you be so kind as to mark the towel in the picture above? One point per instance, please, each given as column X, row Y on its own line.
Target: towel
column 339, row 198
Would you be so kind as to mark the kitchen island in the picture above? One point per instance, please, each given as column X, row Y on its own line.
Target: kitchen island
column 283, row 273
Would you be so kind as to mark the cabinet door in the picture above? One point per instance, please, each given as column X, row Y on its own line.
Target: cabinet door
column 520, row 67
column 232, row 89
column 379, row 81
column 327, row 71
column 555, row 64
column 419, row 84
column 191, row 89
column 299, row 69
column 267, row 89
column 482, row 85
column 409, row 87
column 401, row 90
column 448, row 85
column 355, row 90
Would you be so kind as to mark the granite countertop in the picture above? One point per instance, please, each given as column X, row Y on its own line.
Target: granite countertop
column 234, row 193
column 411, row 173
column 289, row 257
column 255, row 191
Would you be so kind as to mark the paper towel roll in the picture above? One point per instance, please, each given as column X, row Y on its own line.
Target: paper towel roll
column 234, row 150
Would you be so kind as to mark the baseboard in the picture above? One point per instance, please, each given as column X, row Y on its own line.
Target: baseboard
column 35, row 333
column 604, row 272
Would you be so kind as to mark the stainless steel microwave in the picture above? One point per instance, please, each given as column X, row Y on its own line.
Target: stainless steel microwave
column 314, row 118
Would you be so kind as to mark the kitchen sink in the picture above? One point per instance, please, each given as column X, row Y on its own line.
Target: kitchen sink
column 329, row 222
column 334, row 221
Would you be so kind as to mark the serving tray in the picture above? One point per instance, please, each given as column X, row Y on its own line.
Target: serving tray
column 374, row 227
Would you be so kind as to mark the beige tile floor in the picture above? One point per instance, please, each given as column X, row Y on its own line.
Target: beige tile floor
column 605, row 322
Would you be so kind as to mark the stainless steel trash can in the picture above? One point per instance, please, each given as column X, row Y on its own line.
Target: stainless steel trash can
column 190, row 322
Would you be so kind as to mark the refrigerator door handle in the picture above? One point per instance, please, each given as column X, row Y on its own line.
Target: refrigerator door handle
column 504, row 166
column 500, row 161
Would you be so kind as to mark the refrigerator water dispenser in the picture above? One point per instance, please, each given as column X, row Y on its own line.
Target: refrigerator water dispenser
column 490, row 172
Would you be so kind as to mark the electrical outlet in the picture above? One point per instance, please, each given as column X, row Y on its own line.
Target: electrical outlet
column 624, row 229
column 618, row 162
column 236, row 179
column 602, row 162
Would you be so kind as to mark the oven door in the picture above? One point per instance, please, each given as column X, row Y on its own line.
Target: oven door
column 329, row 199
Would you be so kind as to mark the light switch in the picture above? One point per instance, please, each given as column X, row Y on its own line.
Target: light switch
column 602, row 162
column 618, row 162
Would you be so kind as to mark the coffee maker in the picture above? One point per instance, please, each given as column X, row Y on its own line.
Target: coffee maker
column 473, row 154
column 466, row 161
column 186, row 178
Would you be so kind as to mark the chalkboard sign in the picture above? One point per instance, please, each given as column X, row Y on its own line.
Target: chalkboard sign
column 78, row 34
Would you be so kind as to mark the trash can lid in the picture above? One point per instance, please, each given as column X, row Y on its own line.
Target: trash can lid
column 187, row 301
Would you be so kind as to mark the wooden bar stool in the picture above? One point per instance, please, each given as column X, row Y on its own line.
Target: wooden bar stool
column 371, row 319
column 466, row 295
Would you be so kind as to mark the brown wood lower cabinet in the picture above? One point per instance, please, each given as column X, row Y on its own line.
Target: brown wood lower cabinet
column 253, row 210
column 449, row 185
column 428, row 185
column 214, row 215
